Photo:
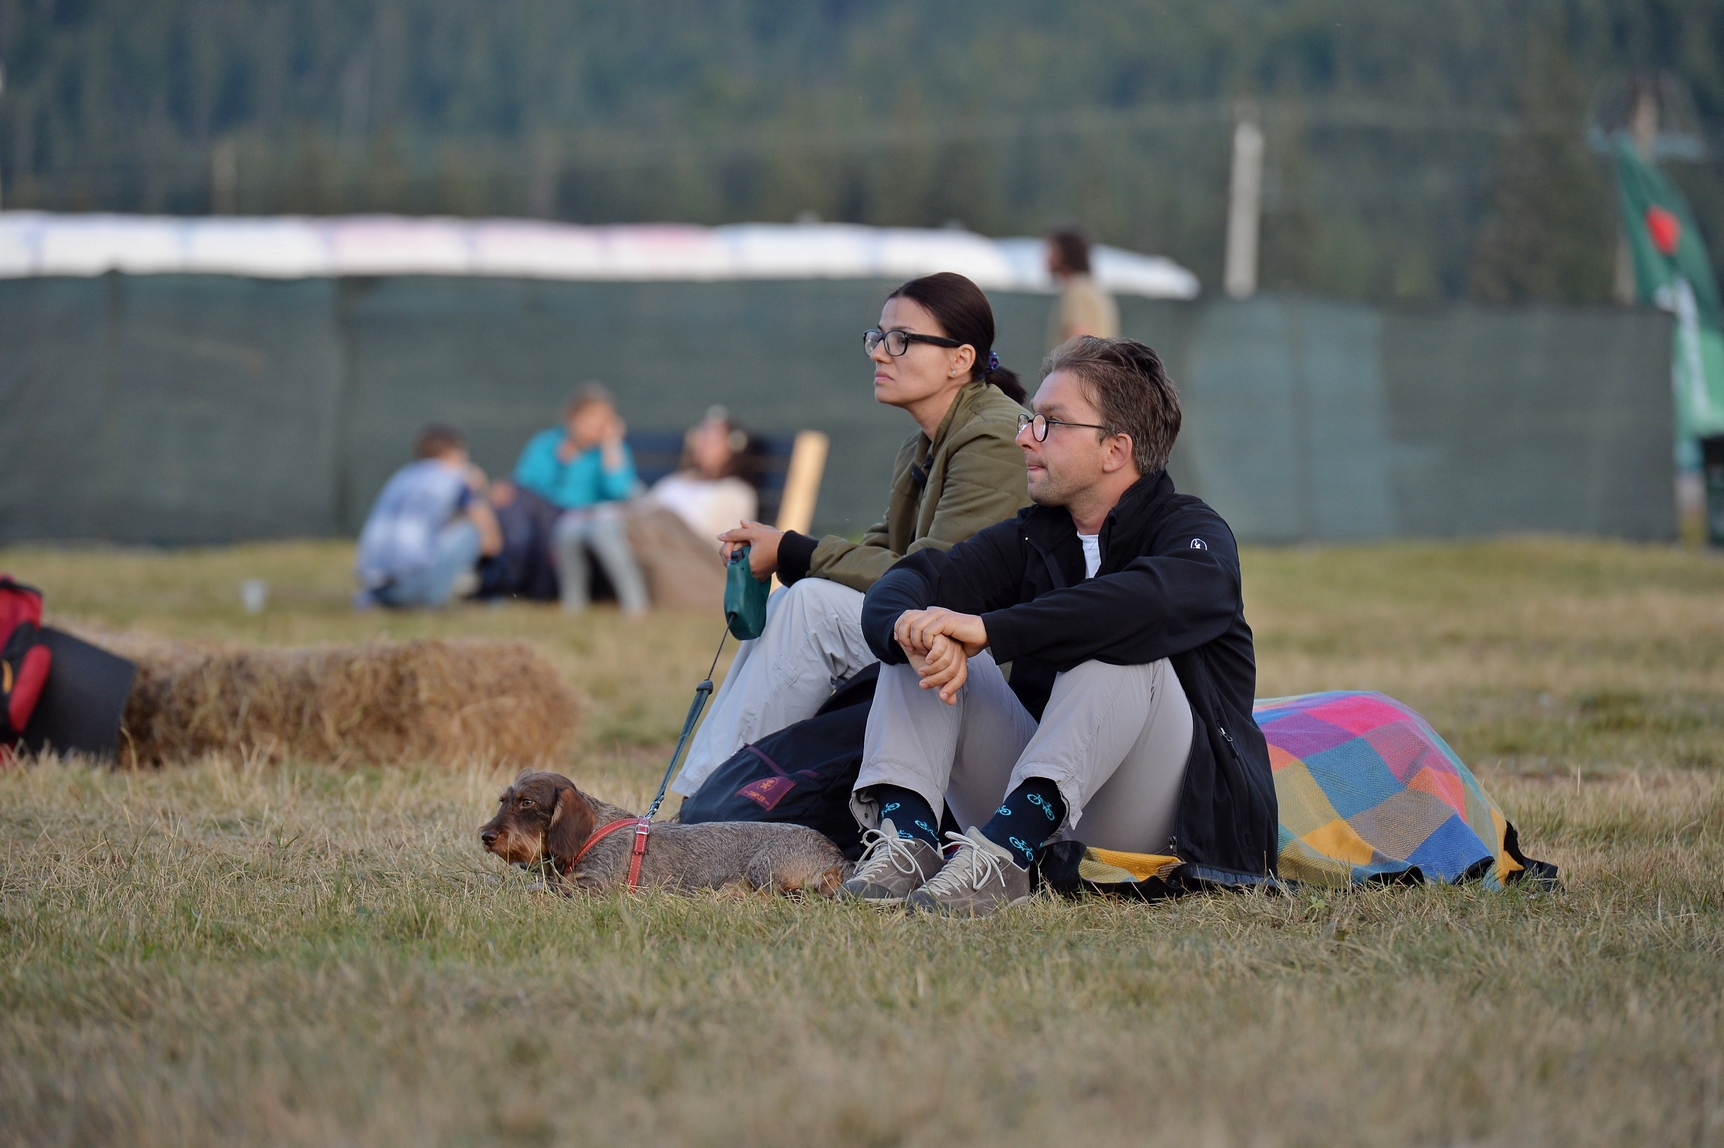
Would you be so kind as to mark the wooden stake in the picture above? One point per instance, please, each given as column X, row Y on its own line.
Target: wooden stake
column 802, row 481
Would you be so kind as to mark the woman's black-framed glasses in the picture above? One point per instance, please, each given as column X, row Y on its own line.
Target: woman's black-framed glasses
column 897, row 342
column 1039, row 425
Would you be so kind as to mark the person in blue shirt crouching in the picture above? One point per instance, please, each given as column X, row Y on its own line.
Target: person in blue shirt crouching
column 585, row 469
column 428, row 528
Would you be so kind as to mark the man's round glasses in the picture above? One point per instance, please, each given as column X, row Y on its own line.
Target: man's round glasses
column 897, row 342
column 1039, row 425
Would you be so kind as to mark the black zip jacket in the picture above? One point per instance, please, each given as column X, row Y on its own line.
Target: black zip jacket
column 1168, row 587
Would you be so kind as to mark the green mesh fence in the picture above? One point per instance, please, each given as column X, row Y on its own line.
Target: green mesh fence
column 197, row 409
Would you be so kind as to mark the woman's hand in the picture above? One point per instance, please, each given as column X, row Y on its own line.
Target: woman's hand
column 762, row 543
column 502, row 492
column 611, row 443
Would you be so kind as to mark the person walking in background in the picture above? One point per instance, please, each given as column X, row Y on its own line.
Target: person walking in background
column 428, row 528
column 960, row 471
column 1083, row 308
column 585, row 469
column 705, row 491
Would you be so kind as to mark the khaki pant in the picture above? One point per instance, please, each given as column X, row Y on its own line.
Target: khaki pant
column 1113, row 738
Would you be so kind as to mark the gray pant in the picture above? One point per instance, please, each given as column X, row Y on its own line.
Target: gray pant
column 1113, row 738
column 813, row 636
column 600, row 529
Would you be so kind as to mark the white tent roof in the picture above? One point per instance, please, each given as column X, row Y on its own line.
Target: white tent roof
column 34, row 243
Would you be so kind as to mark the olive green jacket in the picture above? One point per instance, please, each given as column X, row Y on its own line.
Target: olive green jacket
column 975, row 478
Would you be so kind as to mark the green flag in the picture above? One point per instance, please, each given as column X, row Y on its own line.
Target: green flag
column 1672, row 271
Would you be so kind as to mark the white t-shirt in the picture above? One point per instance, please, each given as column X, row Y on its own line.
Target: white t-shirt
column 709, row 506
column 1091, row 553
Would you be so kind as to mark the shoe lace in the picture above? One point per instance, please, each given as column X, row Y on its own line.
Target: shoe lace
column 886, row 849
column 969, row 869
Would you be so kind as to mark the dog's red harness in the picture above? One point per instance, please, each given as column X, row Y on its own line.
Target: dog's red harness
column 643, row 823
column 643, row 826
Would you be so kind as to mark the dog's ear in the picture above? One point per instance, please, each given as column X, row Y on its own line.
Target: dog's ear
column 572, row 822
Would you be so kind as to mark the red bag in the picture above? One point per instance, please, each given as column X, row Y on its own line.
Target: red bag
column 24, row 660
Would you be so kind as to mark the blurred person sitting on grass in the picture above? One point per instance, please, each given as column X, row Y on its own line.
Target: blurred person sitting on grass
column 933, row 357
column 705, row 491
column 428, row 528
column 1117, row 602
column 1083, row 307
column 585, row 469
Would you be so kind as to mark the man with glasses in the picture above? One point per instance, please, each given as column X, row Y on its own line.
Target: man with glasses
column 1127, row 719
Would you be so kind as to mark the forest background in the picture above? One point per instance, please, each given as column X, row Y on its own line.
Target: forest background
column 1417, row 152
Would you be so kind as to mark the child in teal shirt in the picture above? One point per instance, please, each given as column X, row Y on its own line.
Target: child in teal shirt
column 585, row 469
column 556, row 465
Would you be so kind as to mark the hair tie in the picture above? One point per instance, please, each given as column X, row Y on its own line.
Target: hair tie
column 993, row 361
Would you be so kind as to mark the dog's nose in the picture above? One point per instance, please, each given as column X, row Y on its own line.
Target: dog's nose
column 489, row 837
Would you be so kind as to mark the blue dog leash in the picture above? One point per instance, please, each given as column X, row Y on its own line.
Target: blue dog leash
column 744, row 616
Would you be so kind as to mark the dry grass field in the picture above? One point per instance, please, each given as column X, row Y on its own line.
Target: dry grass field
column 235, row 952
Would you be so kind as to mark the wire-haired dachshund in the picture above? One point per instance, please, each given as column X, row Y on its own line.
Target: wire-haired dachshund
column 544, row 820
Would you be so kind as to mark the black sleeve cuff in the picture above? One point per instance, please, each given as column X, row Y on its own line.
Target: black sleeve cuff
column 1004, row 640
column 795, row 553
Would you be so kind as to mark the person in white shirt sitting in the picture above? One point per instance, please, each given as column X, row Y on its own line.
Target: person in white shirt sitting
column 706, row 492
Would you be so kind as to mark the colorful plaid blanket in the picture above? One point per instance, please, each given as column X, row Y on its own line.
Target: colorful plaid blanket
column 1368, row 791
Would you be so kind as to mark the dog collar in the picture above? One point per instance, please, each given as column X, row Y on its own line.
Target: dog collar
column 642, row 825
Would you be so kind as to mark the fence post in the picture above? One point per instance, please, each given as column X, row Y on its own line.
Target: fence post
column 1245, row 209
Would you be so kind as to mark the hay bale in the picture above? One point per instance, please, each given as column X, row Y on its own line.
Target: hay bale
column 378, row 703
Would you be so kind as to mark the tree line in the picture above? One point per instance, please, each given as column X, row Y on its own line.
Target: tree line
column 1416, row 151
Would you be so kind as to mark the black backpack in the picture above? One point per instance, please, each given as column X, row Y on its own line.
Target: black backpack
column 57, row 693
column 524, row 567
column 801, row 775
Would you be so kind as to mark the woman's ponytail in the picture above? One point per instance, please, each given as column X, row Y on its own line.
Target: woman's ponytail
column 964, row 314
column 1007, row 381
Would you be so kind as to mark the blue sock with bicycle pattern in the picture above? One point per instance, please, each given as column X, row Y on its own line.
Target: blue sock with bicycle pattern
column 1028, row 816
column 910, row 815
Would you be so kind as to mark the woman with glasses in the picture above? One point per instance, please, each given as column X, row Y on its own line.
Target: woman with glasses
column 933, row 357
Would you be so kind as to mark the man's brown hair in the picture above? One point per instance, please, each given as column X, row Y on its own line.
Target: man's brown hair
column 1129, row 386
column 437, row 439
